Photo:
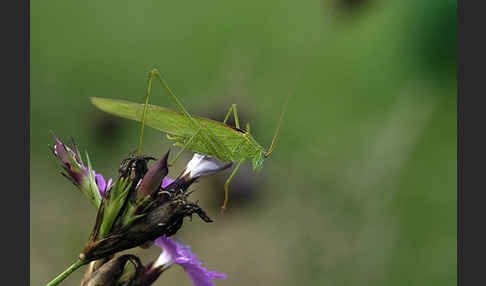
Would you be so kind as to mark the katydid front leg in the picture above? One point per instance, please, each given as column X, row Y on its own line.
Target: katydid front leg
column 226, row 184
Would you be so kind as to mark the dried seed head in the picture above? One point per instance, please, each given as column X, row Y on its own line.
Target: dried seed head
column 164, row 217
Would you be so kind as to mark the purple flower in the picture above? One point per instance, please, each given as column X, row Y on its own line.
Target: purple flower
column 166, row 181
column 174, row 252
column 72, row 164
column 100, row 182
column 159, row 207
column 91, row 184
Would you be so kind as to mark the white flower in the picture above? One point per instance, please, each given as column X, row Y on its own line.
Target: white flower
column 202, row 165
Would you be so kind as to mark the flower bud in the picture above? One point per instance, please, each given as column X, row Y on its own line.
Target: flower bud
column 110, row 272
column 92, row 267
column 92, row 185
column 76, row 172
column 152, row 180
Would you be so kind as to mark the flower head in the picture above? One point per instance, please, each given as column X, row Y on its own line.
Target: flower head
column 176, row 253
column 144, row 204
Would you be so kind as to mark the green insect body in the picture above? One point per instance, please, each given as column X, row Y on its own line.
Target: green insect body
column 199, row 134
column 236, row 144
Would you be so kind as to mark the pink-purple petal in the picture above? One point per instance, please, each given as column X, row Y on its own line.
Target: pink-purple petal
column 200, row 276
column 166, row 181
column 101, row 183
column 183, row 256
column 168, row 245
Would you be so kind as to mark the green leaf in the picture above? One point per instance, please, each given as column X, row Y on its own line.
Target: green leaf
column 113, row 205
column 93, row 190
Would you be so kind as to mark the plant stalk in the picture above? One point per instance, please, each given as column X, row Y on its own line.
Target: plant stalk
column 59, row 278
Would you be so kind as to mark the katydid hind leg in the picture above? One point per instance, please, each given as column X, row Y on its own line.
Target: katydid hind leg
column 235, row 115
column 226, row 184
column 248, row 127
column 215, row 148
column 228, row 114
column 174, row 98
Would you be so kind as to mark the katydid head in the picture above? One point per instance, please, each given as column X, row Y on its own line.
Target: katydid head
column 258, row 160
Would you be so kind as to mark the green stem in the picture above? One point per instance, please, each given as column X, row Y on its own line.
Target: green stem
column 66, row 273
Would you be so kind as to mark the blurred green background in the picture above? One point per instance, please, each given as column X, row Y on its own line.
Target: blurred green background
column 361, row 189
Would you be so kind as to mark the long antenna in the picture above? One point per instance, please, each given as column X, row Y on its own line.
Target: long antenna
column 298, row 74
column 140, row 140
column 277, row 131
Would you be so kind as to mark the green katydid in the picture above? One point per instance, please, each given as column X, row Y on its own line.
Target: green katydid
column 199, row 134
